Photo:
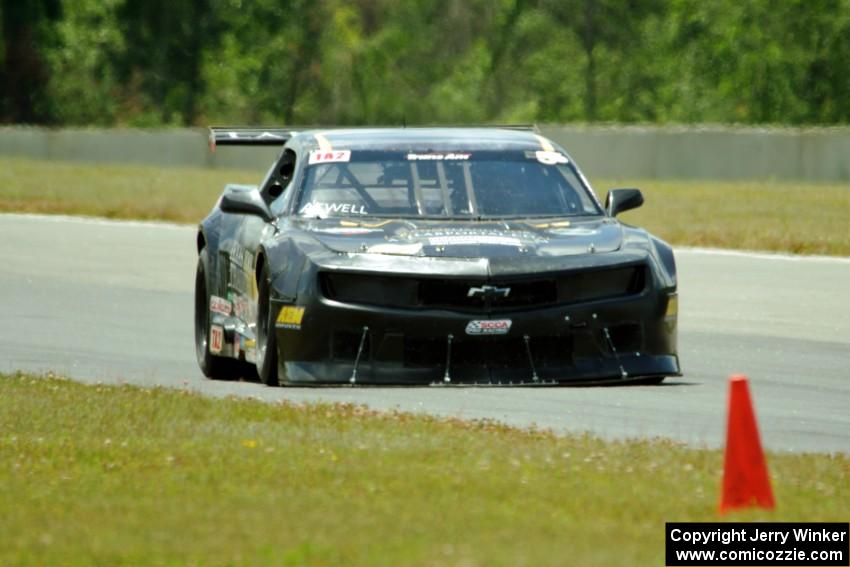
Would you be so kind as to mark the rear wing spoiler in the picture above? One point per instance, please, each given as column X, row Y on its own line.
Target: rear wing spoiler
column 248, row 136
column 272, row 136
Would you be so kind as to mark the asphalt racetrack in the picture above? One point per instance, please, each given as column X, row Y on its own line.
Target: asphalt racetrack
column 112, row 302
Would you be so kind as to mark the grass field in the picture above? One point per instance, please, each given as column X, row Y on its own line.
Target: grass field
column 789, row 217
column 125, row 476
column 113, row 191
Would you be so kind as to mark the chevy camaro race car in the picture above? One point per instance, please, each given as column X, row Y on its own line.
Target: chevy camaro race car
column 429, row 256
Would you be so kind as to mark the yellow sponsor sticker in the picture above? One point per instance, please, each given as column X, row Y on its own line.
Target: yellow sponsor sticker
column 290, row 317
column 672, row 306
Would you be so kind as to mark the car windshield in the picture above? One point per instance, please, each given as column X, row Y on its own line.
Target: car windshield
column 462, row 184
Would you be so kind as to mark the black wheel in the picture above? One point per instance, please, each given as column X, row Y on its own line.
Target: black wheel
column 266, row 337
column 215, row 367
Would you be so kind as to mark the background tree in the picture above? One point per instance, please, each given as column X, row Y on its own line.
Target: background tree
column 164, row 42
column 195, row 62
column 26, row 35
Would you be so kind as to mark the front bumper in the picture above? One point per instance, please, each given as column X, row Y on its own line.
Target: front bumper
column 614, row 340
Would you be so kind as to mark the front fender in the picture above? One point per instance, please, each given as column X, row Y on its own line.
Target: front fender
column 666, row 258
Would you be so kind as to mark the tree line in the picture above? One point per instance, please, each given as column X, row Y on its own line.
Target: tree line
column 195, row 62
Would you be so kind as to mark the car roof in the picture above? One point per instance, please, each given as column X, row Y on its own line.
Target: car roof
column 423, row 139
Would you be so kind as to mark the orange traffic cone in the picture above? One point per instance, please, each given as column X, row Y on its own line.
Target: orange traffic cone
column 745, row 478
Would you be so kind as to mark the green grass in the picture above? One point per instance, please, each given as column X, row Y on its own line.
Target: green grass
column 802, row 218
column 782, row 217
column 102, row 475
column 114, row 191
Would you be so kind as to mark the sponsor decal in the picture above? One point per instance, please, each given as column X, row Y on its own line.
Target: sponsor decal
column 237, row 254
column 290, row 317
column 396, row 249
column 239, row 280
column 348, row 231
column 322, row 210
column 489, row 327
column 248, row 263
column 448, row 236
column 467, row 239
column 329, row 156
column 574, row 231
column 556, row 224
column 239, row 306
column 236, row 342
column 244, row 309
column 438, row 156
column 251, row 354
column 216, row 338
column 488, row 291
column 550, row 158
column 220, row 305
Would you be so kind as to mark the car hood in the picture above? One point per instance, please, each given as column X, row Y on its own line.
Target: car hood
column 467, row 239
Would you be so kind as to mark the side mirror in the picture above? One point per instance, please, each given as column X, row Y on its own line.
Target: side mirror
column 245, row 200
column 619, row 200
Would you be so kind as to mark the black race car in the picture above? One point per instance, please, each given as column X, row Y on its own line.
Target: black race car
column 429, row 256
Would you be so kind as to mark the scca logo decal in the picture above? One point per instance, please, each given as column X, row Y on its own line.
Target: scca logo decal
column 488, row 327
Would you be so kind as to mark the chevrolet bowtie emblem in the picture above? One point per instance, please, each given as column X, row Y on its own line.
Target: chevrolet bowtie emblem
column 489, row 291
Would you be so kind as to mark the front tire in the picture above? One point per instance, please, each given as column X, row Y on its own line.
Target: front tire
column 266, row 336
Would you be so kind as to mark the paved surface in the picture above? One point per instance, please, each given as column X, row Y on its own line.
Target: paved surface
column 108, row 301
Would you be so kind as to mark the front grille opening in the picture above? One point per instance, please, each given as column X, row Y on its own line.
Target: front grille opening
column 638, row 281
column 450, row 293
column 482, row 295
column 601, row 284
column 369, row 289
column 524, row 294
